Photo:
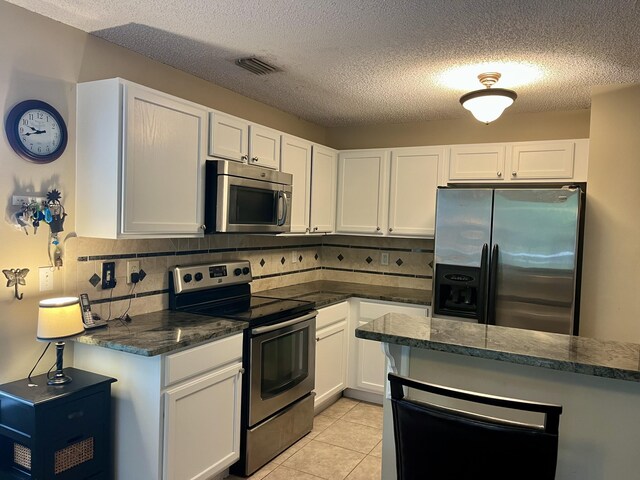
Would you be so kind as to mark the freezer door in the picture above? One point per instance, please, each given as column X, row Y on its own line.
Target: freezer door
column 463, row 225
column 534, row 255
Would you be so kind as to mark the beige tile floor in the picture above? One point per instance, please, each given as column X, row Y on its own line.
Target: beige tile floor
column 345, row 443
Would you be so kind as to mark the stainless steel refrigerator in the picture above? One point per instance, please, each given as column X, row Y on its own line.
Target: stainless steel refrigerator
column 509, row 257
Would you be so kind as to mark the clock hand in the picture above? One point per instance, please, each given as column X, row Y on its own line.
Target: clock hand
column 37, row 132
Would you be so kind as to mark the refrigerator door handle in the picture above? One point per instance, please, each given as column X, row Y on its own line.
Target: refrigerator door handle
column 493, row 280
column 482, row 294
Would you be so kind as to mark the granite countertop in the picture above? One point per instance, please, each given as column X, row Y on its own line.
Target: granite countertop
column 618, row 360
column 164, row 331
column 160, row 332
column 326, row 292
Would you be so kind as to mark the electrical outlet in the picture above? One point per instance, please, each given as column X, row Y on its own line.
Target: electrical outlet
column 294, row 256
column 133, row 266
column 46, row 279
column 108, row 275
column 384, row 258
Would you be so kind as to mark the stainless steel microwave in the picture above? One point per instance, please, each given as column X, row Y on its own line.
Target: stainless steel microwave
column 246, row 198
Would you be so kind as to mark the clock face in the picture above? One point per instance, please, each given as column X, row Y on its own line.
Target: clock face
column 36, row 131
column 39, row 132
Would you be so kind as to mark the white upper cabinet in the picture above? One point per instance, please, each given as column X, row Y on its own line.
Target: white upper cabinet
column 139, row 168
column 323, row 189
column 541, row 161
column 264, row 146
column 544, row 160
column 389, row 192
column 477, row 162
column 296, row 160
column 228, row 137
column 232, row 138
column 362, row 191
column 412, row 191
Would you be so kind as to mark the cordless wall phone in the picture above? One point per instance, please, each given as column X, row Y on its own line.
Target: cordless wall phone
column 87, row 316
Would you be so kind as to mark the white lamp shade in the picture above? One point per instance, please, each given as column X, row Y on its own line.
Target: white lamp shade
column 59, row 318
column 487, row 105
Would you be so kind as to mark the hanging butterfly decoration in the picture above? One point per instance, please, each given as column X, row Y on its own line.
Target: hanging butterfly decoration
column 15, row 277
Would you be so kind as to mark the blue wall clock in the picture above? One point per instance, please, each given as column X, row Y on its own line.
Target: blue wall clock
column 36, row 131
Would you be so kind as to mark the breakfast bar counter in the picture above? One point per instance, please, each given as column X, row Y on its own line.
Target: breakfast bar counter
column 597, row 383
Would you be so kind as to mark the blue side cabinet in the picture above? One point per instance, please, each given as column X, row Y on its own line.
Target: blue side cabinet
column 56, row 432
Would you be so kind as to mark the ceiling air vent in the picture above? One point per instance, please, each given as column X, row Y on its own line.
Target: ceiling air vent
column 256, row 66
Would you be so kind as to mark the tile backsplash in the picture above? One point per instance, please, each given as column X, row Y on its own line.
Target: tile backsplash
column 276, row 261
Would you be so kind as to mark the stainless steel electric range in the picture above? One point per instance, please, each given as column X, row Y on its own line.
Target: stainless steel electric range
column 279, row 351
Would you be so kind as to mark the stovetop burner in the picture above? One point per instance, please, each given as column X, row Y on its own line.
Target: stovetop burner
column 223, row 290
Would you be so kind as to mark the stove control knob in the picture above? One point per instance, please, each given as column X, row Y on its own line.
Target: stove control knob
column 187, row 278
column 237, row 272
column 246, row 270
column 198, row 276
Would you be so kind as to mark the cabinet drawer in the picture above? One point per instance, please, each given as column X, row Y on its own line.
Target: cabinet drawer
column 331, row 314
column 76, row 416
column 194, row 361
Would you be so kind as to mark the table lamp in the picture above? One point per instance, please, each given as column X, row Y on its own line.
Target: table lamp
column 59, row 319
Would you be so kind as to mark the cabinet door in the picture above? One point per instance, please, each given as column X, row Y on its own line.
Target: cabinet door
column 331, row 361
column 202, row 425
column 228, row 137
column 163, row 177
column 296, row 160
column 476, row 162
column 264, row 147
column 323, row 189
column 542, row 160
column 362, row 181
column 412, row 192
column 370, row 371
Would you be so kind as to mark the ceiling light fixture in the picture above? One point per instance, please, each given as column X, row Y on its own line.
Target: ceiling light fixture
column 487, row 105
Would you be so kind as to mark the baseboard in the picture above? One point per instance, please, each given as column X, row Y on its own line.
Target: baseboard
column 363, row 396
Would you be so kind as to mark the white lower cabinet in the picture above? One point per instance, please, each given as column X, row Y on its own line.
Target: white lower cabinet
column 197, row 445
column 344, row 361
column 177, row 416
column 332, row 337
column 367, row 361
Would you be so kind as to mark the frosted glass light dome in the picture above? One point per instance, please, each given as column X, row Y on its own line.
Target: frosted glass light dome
column 488, row 104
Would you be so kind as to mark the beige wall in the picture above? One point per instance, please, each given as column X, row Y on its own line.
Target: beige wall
column 508, row 128
column 43, row 59
column 610, row 308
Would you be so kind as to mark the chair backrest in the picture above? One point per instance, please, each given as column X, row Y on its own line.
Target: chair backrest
column 436, row 442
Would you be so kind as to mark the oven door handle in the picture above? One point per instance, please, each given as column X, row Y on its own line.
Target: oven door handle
column 278, row 326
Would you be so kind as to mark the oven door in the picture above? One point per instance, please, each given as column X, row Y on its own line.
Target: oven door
column 248, row 205
column 282, row 365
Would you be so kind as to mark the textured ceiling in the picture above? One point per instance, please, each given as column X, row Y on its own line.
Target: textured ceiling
column 376, row 61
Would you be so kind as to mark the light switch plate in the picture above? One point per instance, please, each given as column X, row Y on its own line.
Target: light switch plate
column 384, row 258
column 46, row 279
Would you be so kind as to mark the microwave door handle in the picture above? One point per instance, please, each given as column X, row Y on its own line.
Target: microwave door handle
column 283, row 197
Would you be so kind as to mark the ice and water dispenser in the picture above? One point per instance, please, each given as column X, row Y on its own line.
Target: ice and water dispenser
column 459, row 291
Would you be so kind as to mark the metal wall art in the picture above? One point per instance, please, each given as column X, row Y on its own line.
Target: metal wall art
column 15, row 277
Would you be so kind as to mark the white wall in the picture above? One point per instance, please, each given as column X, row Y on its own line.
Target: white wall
column 610, row 307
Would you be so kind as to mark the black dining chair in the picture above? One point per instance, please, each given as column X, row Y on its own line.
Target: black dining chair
column 437, row 442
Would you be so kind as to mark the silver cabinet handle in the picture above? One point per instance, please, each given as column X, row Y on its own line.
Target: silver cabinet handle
column 377, row 229
column 499, row 174
column 513, row 174
column 315, row 229
column 317, row 339
column 307, row 230
column 203, row 227
column 241, row 371
column 391, row 229
column 245, row 158
column 254, row 159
